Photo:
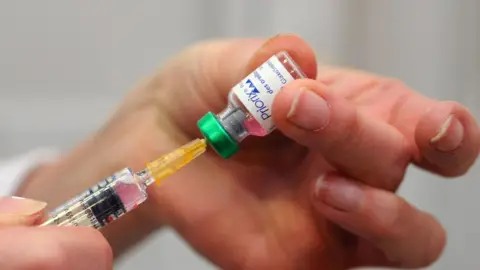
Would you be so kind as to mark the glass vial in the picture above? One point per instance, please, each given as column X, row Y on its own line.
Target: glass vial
column 249, row 109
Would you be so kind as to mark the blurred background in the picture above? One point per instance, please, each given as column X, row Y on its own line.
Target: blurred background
column 65, row 65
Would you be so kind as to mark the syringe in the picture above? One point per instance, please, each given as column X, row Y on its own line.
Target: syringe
column 122, row 192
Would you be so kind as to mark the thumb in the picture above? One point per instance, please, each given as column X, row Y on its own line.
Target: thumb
column 16, row 211
column 199, row 78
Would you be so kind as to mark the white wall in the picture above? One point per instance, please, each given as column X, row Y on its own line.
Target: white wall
column 70, row 62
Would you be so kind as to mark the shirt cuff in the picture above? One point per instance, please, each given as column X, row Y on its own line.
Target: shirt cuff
column 14, row 171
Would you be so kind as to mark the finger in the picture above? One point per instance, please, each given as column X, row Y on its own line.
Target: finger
column 296, row 47
column 448, row 138
column 202, row 76
column 406, row 237
column 365, row 148
column 54, row 248
column 16, row 211
column 419, row 118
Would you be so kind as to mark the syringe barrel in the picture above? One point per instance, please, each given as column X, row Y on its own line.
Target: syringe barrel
column 103, row 203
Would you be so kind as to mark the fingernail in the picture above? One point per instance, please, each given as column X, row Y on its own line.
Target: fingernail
column 339, row 193
column 20, row 206
column 449, row 136
column 309, row 110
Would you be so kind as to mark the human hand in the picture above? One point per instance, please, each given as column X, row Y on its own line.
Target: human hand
column 262, row 209
column 23, row 245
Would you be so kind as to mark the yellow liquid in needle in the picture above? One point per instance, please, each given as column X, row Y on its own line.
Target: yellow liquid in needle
column 168, row 164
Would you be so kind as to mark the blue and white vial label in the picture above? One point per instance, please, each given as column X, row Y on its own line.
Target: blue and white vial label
column 259, row 88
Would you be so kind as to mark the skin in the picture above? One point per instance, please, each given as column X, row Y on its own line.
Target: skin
column 23, row 246
column 262, row 208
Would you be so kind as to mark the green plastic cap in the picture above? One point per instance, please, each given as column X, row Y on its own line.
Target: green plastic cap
column 217, row 136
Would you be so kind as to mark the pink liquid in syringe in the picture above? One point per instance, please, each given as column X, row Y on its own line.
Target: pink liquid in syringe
column 254, row 128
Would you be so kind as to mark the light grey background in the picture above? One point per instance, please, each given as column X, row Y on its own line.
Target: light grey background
column 64, row 65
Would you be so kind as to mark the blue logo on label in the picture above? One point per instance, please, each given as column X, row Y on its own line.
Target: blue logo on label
column 253, row 96
column 252, row 88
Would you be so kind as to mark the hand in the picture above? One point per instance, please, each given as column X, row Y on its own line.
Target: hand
column 320, row 197
column 51, row 248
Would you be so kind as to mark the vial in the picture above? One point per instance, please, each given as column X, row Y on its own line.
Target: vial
column 249, row 109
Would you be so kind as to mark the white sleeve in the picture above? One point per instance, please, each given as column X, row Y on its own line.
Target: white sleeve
column 15, row 170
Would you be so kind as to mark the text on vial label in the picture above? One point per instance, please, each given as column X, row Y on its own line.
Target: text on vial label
column 260, row 87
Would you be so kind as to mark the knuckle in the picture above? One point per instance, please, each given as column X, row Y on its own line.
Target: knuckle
column 393, row 84
column 396, row 173
column 350, row 131
column 369, row 84
column 367, row 87
column 388, row 218
column 400, row 209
